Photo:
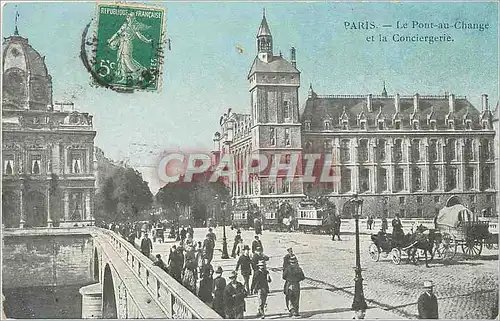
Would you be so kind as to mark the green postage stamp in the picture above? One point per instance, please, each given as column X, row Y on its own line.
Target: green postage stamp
column 129, row 45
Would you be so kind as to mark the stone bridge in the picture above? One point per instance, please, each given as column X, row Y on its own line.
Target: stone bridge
column 128, row 285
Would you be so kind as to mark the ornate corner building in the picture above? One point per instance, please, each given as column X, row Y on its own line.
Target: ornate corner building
column 403, row 155
column 47, row 150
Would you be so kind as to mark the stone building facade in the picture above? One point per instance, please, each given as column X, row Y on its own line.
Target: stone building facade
column 402, row 154
column 47, row 148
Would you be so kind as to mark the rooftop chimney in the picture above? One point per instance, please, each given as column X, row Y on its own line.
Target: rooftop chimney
column 292, row 57
column 369, row 103
column 484, row 102
column 415, row 103
column 396, row 103
column 451, row 100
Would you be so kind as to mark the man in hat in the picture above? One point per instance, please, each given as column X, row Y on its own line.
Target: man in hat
column 212, row 234
column 245, row 262
column 208, row 247
column 146, row 245
column 159, row 263
column 218, row 292
column 427, row 303
column 175, row 263
column 336, row 227
column 260, row 286
column 237, row 240
column 293, row 275
column 286, row 258
column 256, row 243
column 234, row 298
column 258, row 256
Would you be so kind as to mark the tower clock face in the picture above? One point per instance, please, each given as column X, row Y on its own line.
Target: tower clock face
column 13, row 83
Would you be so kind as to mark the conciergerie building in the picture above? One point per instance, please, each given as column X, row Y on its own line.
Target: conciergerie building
column 402, row 154
column 47, row 147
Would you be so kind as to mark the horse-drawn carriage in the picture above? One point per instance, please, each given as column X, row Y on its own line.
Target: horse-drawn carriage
column 460, row 227
column 384, row 244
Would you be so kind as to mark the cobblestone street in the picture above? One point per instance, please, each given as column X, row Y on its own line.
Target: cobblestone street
column 466, row 288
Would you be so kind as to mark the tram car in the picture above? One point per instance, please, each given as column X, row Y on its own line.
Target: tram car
column 312, row 219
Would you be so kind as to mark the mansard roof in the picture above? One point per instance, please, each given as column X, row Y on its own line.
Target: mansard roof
column 317, row 107
column 277, row 64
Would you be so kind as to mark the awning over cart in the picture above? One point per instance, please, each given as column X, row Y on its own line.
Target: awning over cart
column 451, row 216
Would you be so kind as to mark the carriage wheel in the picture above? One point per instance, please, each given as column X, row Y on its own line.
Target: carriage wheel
column 447, row 249
column 396, row 256
column 472, row 247
column 374, row 252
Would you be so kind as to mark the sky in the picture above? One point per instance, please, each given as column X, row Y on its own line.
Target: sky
column 204, row 74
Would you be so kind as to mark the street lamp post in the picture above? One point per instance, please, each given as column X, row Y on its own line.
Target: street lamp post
column 178, row 238
column 225, row 255
column 359, row 303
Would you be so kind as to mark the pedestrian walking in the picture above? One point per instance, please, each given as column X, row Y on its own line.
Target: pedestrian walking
column 183, row 234
column 218, row 292
column 245, row 263
column 256, row 243
column 146, row 245
column 208, row 247
column 159, row 263
column 190, row 275
column 385, row 224
column 234, row 298
column 427, row 303
column 131, row 237
column 237, row 240
column 293, row 275
column 212, row 234
column 190, row 231
column 336, row 227
column 206, row 283
column 176, row 263
column 260, row 286
column 258, row 256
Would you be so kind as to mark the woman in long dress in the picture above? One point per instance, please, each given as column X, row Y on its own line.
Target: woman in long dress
column 190, row 270
column 122, row 41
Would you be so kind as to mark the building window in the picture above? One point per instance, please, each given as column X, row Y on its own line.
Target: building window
column 364, row 179
column 382, row 179
column 437, row 199
column 36, row 164
column 287, row 158
column 287, row 137
column 381, row 150
column 345, row 154
column 472, row 199
column 8, row 166
column 433, row 124
column 451, row 149
column 399, row 179
column 285, row 186
column 415, row 125
column 345, row 125
column 468, row 150
column 363, row 150
column 470, row 175
column 327, row 145
column 486, row 176
column 76, row 162
column 286, row 110
column 416, row 179
column 486, row 153
column 433, row 178
column 327, row 125
column 397, row 124
column 75, row 207
column 272, row 136
column 489, row 198
column 486, row 124
column 451, row 124
column 468, row 124
column 272, row 187
column 402, row 200
column 397, row 151
column 419, row 200
column 420, row 213
column 345, row 180
column 415, row 150
column 307, row 125
column 362, row 124
column 433, row 156
column 380, row 125
column 402, row 213
column 451, row 178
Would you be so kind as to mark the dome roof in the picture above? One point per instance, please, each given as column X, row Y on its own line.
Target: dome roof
column 18, row 53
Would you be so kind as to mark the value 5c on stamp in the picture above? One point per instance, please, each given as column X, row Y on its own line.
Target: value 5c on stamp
column 129, row 46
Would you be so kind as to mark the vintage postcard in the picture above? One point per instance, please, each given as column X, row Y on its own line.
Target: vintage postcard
column 250, row 160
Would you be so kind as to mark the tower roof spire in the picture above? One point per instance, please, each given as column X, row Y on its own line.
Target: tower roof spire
column 264, row 27
column 384, row 91
column 16, row 31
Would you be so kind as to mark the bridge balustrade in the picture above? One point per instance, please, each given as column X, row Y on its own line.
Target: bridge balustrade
column 175, row 300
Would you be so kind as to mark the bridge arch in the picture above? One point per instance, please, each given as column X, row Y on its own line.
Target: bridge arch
column 109, row 308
